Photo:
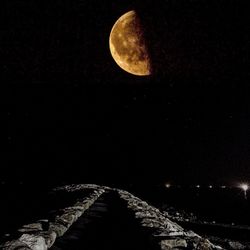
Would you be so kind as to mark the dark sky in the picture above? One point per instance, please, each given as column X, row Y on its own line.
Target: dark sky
column 73, row 115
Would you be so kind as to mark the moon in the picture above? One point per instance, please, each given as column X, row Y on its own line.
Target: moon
column 127, row 45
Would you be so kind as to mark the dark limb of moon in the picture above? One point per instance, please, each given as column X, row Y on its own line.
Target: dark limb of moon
column 127, row 45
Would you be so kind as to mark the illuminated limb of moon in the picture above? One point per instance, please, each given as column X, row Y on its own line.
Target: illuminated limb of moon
column 127, row 45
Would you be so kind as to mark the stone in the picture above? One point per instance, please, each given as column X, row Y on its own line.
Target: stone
column 15, row 245
column 42, row 235
column 236, row 245
column 203, row 244
column 66, row 219
column 34, row 242
column 192, row 234
column 143, row 215
column 152, row 223
column 173, row 244
column 76, row 213
column 49, row 237
column 59, row 229
column 34, row 227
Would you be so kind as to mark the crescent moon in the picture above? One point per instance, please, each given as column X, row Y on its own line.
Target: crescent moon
column 127, row 45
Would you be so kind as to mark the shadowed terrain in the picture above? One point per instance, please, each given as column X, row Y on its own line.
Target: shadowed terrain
column 106, row 225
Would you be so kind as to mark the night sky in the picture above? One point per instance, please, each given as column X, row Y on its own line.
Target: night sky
column 73, row 115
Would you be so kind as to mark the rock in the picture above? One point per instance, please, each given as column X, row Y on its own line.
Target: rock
column 150, row 214
column 15, row 245
column 166, row 233
column 49, row 237
column 173, row 244
column 42, row 235
column 151, row 217
column 34, row 227
column 236, row 245
column 152, row 223
column 76, row 187
column 192, row 234
column 80, row 205
column 203, row 244
column 59, row 229
column 66, row 219
column 74, row 209
column 143, row 214
column 34, row 242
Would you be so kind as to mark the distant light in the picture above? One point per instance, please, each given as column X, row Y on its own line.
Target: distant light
column 244, row 187
column 167, row 185
column 198, row 186
column 223, row 186
column 210, row 186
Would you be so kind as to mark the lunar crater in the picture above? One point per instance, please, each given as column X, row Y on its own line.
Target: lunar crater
column 127, row 45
